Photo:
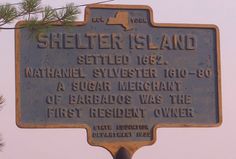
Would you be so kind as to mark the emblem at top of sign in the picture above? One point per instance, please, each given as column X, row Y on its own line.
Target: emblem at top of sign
column 121, row 18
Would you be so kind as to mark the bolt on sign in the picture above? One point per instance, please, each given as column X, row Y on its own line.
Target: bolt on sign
column 120, row 75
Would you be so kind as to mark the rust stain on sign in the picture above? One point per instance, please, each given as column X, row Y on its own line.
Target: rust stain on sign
column 119, row 75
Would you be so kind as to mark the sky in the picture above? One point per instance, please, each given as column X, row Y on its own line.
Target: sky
column 178, row 143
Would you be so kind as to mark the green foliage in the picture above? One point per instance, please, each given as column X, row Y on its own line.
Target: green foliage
column 1, row 144
column 67, row 14
column 2, row 100
column 37, row 16
column 7, row 13
column 32, row 23
column 30, row 6
column 48, row 14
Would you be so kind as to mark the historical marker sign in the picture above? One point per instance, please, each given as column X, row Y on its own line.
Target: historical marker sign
column 119, row 75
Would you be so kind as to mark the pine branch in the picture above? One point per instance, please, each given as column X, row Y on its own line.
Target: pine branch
column 30, row 6
column 68, row 14
column 1, row 143
column 2, row 101
column 48, row 14
column 37, row 16
column 7, row 13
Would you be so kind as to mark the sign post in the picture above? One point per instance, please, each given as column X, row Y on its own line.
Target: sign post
column 119, row 75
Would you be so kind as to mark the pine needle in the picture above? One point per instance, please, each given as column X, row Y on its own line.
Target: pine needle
column 37, row 16
column 2, row 100
column 1, row 143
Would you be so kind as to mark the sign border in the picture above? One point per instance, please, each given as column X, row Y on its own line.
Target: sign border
column 113, row 147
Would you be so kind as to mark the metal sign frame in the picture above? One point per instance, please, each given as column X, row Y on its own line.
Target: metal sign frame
column 113, row 147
